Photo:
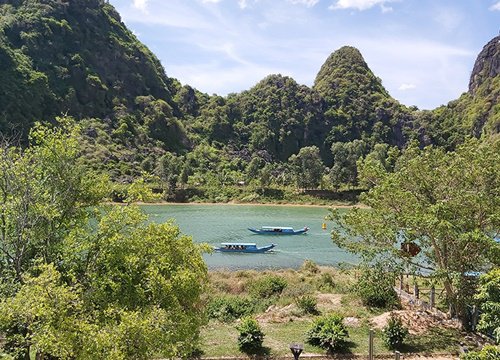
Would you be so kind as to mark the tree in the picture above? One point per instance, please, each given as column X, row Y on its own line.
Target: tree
column 446, row 204
column 489, row 298
column 45, row 315
column 308, row 167
column 128, row 289
column 44, row 192
column 87, row 282
column 169, row 169
column 345, row 156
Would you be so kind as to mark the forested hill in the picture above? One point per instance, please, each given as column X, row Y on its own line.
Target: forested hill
column 77, row 58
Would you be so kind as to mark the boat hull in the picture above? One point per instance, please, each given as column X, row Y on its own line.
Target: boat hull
column 248, row 250
column 278, row 231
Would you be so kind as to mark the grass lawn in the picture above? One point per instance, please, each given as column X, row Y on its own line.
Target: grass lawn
column 220, row 339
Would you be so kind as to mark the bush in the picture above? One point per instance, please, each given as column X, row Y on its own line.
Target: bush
column 326, row 282
column 489, row 352
column 375, row 287
column 307, row 304
column 268, row 286
column 228, row 309
column 251, row 336
column 328, row 332
column 310, row 267
column 394, row 333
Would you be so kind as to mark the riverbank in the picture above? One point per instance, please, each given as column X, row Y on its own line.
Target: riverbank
column 169, row 203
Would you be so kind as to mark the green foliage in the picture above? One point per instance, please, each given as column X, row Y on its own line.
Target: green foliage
column 345, row 156
column 307, row 304
column 114, row 287
column 250, row 336
column 268, row 286
column 326, row 282
column 307, row 167
column 488, row 352
column 394, row 333
column 310, row 266
column 44, row 192
column 229, row 308
column 375, row 287
column 328, row 332
column 443, row 202
column 133, row 115
column 488, row 295
column 50, row 314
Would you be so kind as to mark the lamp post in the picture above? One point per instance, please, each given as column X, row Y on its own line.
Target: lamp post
column 296, row 349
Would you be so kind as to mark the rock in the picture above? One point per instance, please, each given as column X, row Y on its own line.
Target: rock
column 487, row 64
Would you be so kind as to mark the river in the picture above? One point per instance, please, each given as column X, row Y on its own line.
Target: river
column 214, row 224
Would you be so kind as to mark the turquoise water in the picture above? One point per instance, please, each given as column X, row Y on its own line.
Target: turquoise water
column 214, row 224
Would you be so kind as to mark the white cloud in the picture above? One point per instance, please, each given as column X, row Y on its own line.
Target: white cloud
column 308, row 3
column 176, row 14
column 360, row 4
column 404, row 87
column 448, row 18
column 495, row 7
column 141, row 5
column 243, row 4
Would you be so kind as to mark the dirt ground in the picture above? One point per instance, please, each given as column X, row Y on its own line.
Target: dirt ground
column 417, row 321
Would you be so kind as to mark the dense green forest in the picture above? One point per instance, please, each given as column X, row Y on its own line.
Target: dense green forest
column 77, row 58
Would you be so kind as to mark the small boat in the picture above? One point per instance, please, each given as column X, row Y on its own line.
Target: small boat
column 243, row 248
column 278, row 230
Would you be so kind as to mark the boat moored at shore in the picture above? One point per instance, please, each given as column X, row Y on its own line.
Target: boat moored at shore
column 278, row 230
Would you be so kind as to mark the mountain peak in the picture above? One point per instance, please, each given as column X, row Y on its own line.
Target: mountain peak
column 487, row 64
column 345, row 76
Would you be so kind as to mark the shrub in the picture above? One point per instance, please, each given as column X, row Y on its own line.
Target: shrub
column 326, row 282
column 328, row 332
column 228, row 309
column 375, row 287
column 268, row 286
column 251, row 336
column 394, row 333
column 307, row 304
column 489, row 352
column 310, row 266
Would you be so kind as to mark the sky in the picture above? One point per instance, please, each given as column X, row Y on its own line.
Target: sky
column 423, row 50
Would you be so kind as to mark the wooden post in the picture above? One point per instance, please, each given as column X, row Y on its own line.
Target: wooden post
column 397, row 355
column 370, row 345
column 401, row 282
column 416, row 292
column 432, row 296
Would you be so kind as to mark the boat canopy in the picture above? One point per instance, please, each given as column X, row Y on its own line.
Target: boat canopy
column 276, row 227
column 238, row 244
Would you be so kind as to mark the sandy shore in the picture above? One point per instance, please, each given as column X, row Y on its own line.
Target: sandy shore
column 254, row 204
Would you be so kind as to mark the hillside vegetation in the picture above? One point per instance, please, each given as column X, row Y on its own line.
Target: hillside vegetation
column 79, row 59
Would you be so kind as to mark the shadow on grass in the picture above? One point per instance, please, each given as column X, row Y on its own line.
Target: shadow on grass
column 434, row 340
column 263, row 351
column 345, row 350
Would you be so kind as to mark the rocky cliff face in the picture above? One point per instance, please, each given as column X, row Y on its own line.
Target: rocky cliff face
column 487, row 64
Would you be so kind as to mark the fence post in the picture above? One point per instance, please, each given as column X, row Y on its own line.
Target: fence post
column 432, row 299
column 397, row 355
column 416, row 292
column 401, row 282
column 370, row 345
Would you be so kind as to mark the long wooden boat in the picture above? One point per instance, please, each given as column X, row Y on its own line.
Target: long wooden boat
column 243, row 248
column 278, row 230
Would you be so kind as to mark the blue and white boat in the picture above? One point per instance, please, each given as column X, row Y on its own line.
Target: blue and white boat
column 243, row 248
column 278, row 230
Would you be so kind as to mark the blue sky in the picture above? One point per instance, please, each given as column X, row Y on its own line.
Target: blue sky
column 423, row 50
